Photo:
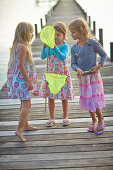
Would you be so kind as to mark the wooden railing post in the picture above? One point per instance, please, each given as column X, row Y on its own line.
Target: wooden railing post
column 46, row 18
column 41, row 23
column 94, row 27
column 89, row 21
column 101, row 36
column 111, row 51
column 36, row 31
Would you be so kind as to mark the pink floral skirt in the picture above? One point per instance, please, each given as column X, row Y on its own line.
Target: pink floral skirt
column 91, row 92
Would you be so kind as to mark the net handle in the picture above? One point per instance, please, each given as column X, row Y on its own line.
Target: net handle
column 47, row 54
column 100, row 68
column 47, row 67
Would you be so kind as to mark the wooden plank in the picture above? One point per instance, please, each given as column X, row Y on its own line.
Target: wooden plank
column 56, row 126
column 57, row 136
column 56, row 142
column 57, row 149
column 58, row 106
column 52, row 131
column 57, row 156
column 77, row 120
column 46, row 116
column 59, row 163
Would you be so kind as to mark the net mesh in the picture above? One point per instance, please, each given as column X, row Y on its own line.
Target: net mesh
column 56, row 82
column 47, row 35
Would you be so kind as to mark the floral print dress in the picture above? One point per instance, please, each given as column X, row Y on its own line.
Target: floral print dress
column 16, row 85
column 57, row 66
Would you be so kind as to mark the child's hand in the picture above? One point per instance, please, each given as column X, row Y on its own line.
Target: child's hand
column 30, row 86
column 79, row 72
column 45, row 45
column 95, row 68
column 54, row 46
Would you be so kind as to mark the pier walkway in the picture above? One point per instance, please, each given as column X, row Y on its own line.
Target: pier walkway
column 58, row 147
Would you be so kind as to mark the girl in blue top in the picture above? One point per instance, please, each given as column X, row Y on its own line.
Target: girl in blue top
column 57, row 63
column 83, row 58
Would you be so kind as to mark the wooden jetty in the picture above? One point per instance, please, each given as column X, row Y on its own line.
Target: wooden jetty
column 58, row 147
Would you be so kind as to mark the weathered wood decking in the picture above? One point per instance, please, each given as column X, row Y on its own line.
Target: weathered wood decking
column 58, row 147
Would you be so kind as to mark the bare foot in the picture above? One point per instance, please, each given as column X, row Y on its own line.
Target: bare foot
column 19, row 134
column 30, row 128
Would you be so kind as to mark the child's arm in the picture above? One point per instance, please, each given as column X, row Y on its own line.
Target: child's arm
column 43, row 54
column 21, row 57
column 98, row 49
column 74, row 65
column 61, row 53
column 96, row 68
column 73, row 60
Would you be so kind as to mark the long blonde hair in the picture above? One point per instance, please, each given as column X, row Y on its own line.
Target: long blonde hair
column 22, row 37
column 82, row 27
column 61, row 27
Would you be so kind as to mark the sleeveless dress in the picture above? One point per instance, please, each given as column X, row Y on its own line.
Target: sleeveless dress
column 57, row 66
column 16, row 85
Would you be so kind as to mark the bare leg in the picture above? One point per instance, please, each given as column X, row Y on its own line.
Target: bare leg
column 26, row 123
column 20, row 107
column 65, row 109
column 24, row 109
column 51, row 104
column 27, row 126
column 94, row 121
column 66, row 121
column 100, row 119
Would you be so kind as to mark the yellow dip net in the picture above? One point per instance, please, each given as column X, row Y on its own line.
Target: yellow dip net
column 47, row 35
column 56, row 82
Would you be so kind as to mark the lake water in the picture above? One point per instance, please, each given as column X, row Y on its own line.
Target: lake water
column 14, row 11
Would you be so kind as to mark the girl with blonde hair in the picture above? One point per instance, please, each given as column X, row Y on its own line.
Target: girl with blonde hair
column 83, row 58
column 22, row 80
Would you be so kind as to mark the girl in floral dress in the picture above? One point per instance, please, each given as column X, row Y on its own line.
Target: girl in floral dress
column 22, row 80
column 57, row 64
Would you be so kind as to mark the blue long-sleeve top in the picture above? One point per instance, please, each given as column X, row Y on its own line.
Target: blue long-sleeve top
column 61, row 52
column 85, row 56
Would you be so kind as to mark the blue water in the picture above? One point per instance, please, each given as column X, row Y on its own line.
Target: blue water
column 14, row 11
column 11, row 13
